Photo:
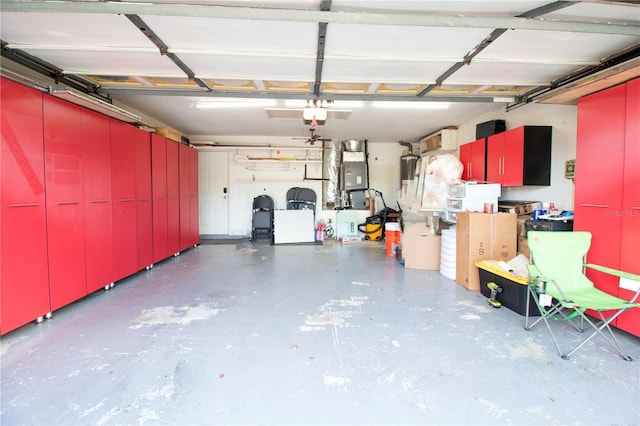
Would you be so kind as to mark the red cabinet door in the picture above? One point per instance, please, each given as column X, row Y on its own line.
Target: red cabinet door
column 24, row 280
column 513, row 160
column 123, row 178
column 629, row 258
column 495, row 158
column 473, row 158
column 159, row 190
column 144, row 205
column 173, row 197
column 185, row 196
column 478, row 159
column 599, row 178
column 98, row 222
column 195, row 201
column 65, row 213
column 465, row 159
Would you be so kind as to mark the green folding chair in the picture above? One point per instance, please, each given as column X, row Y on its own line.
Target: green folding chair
column 562, row 291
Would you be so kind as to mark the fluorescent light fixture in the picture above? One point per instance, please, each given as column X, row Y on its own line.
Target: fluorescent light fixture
column 295, row 103
column 504, row 99
column 94, row 104
column 311, row 113
column 348, row 104
column 410, row 105
column 235, row 103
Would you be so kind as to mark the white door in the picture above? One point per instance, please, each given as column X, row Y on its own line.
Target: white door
column 213, row 181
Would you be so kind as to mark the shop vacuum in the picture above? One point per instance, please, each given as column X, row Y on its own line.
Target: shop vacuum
column 373, row 227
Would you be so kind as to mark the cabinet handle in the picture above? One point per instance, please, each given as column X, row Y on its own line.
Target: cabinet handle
column 24, row 205
column 125, row 200
column 100, row 201
column 66, row 203
column 145, row 199
column 635, row 207
column 503, row 161
column 594, row 205
column 469, row 171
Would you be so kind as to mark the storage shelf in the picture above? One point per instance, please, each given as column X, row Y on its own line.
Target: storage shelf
column 281, row 155
column 275, row 160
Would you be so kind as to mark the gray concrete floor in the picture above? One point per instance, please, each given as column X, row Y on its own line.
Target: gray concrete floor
column 331, row 334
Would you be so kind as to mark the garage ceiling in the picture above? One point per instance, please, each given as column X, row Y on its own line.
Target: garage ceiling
column 230, row 71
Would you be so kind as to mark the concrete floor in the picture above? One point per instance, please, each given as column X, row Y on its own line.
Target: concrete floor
column 330, row 334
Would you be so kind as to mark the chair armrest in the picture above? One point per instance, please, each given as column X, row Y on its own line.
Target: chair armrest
column 620, row 274
column 613, row 272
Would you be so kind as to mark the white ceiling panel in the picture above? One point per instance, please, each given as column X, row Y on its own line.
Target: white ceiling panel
column 458, row 7
column 555, row 47
column 599, row 12
column 500, row 73
column 401, row 41
column 278, row 4
column 67, row 30
column 224, row 35
column 271, row 49
column 251, row 67
column 388, row 71
column 110, row 63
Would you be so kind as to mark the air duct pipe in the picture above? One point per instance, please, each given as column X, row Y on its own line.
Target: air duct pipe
column 407, row 166
column 408, row 145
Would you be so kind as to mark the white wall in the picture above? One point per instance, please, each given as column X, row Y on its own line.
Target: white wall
column 248, row 180
column 563, row 119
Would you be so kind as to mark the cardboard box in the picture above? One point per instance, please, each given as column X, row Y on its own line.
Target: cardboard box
column 519, row 207
column 482, row 236
column 420, row 247
column 522, row 231
column 169, row 133
column 523, row 246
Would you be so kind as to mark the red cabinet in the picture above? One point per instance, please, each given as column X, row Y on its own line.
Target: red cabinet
column 24, row 281
column 473, row 157
column 123, row 178
column 98, row 223
column 173, row 197
column 598, row 193
column 195, row 202
column 629, row 258
column 65, row 212
column 185, row 196
column 144, row 200
column 85, row 201
column 159, row 191
column 520, row 156
column 607, row 200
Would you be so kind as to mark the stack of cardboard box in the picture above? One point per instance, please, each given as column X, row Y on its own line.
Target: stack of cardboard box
column 482, row 236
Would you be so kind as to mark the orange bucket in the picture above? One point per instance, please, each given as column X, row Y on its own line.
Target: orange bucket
column 392, row 235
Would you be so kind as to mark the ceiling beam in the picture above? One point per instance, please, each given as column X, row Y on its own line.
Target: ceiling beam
column 490, row 39
column 290, row 95
column 292, row 15
column 325, row 5
column 164, row 49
